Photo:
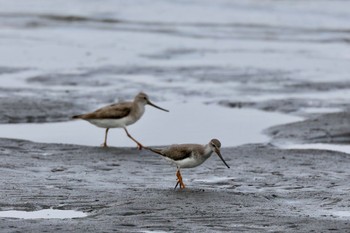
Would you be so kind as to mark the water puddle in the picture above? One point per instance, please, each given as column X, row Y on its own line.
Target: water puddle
column 185, row 123
column 42, row 214
column 312, row 208
column 214, row 180
column 342, row 214
column 153, row 231
column 218, row 182
column 318, row 146
column 320, row 110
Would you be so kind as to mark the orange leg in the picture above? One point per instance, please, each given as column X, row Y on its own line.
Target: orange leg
column 179, row 180
column 105, row 142
column 139, row 145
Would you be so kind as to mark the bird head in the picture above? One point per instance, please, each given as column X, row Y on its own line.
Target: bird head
column 215, row 145
column 144, row 99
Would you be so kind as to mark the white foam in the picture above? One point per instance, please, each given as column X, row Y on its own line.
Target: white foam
column 42, row 214
column 343, row 214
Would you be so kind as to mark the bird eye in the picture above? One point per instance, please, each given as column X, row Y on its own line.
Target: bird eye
column 145, row 98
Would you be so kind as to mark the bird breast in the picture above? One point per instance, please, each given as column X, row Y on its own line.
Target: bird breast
column 191, row 161
column 109, row 123
column 137, row 112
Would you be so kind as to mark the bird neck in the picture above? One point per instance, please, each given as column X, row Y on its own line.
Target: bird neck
column 207, row 151
column 138, row 109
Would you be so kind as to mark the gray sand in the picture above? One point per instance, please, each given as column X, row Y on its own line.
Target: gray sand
column 124, row 190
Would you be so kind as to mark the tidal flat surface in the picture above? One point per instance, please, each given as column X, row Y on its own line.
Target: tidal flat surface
column 122, row 189
column 266, row 58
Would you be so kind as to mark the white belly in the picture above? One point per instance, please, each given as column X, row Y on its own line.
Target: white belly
column 110, row 123
column 188, row 162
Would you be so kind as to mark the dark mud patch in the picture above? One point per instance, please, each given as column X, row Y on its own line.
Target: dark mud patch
column 32, row 105
column 30, row 110
column 39, row 105
column 10, row 70
column 246, row 81
column 267, row 190
column 305, row 107
column 320, row 86
column 195, row 30
column 166, row 74
column 68, row 79
column 326, row 128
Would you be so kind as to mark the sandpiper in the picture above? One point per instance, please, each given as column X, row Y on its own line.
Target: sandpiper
column 189, row 155
column 119, row 115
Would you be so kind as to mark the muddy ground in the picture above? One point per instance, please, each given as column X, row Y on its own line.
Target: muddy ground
column 124, row 190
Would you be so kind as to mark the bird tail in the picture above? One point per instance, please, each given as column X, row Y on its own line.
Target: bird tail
column 77, row 116
column 157, row 151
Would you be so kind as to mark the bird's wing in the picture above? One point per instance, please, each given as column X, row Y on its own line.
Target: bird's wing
column 178, row 152
column 114, row 111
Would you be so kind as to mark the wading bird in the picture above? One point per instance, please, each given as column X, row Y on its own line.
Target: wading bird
column 188, row 156
column 119, row 115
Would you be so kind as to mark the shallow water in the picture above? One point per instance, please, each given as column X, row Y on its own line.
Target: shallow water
column 342, row 214
column 185, row 123
column 318, row 146
column 42, row 214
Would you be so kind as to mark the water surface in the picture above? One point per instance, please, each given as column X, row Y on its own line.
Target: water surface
column 185, row 123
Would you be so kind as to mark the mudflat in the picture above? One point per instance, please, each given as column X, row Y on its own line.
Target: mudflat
column 125, row 190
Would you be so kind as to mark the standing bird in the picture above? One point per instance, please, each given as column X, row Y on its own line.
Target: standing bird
column 189, row 155
column 119, row 115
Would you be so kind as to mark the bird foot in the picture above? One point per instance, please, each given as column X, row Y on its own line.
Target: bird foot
column 104, row 145
column 182, row 185
column 140, row 146
column 179, row 181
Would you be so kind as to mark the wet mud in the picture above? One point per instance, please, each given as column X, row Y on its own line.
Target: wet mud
column 124, row 190
column 326, row 128
column 30, row 110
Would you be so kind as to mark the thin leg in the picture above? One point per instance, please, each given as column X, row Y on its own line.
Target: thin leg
column 105, row 142
column 139, row 145
column 177, row 183
column 179, row 180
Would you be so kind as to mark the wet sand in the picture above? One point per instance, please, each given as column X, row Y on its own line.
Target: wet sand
column 124, row 190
